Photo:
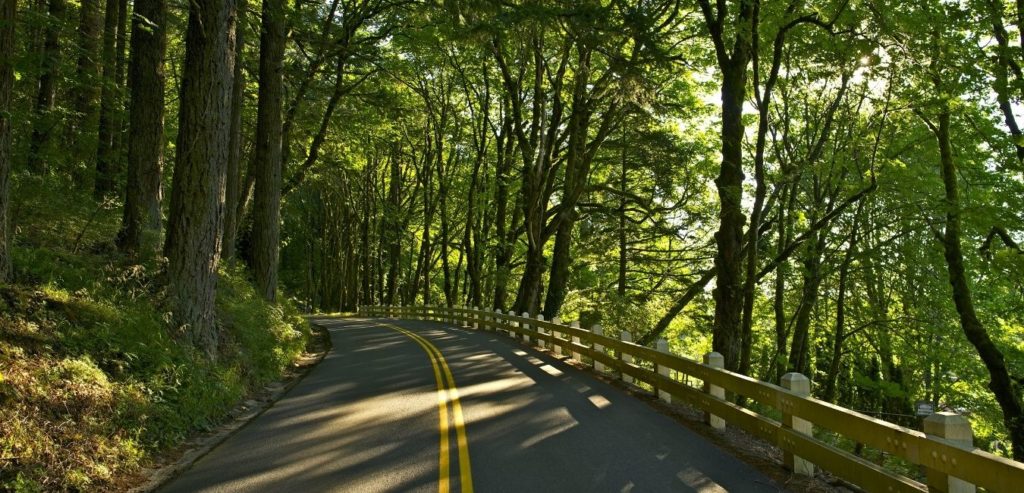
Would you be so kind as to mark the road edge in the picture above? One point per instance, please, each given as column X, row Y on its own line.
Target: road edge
column 244, row 413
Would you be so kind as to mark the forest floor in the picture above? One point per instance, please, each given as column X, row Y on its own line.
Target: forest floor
column 94, row 386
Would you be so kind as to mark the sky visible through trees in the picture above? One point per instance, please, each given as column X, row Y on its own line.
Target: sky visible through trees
column 829, row 187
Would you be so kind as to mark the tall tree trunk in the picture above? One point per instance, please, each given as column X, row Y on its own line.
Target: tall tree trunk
column 561, row 258
column 87, row 79
column 233, row 178
column 503, row 244
column 728, row 295
column 267, row 165
column 784, row 238
column 197, row 194
column 43, row 119
column 8, row 10
column 623, row 254
column 390, row 231
column 799, row 353
column 145, row 124
column 839, row 337
column 105, row 182
column 1007, row 392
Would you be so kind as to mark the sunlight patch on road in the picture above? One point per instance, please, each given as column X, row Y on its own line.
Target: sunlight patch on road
column 550, row 370
column 599, row 401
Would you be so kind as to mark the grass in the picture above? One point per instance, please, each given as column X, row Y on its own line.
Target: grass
column 92, row 382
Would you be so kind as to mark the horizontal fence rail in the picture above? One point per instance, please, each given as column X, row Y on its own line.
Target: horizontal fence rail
column 946, row 451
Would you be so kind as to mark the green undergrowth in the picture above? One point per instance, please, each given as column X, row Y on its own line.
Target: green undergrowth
column 93, row 383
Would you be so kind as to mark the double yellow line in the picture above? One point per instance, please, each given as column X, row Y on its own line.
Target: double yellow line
column 447, row 394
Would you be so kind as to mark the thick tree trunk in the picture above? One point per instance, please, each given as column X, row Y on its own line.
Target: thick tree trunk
column 727, row 335
column 197, row 194
column 105, row 182
column 558, row 281
column 528, row 296
column 8, row 10
column 233, row 180
column 44, row 120
column 1001, row 383
column 267, row 164
column 145, row 124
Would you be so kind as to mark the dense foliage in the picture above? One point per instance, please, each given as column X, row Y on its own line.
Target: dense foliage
column 832, row 187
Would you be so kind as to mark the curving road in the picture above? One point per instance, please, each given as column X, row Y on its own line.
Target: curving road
column 372, row 416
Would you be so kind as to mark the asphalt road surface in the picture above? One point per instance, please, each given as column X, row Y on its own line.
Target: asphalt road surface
column 381, row 413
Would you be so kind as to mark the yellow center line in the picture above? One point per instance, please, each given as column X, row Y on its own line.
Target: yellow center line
column 447, row 393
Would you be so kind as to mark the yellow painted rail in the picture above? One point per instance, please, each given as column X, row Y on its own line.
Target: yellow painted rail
column 951, row 462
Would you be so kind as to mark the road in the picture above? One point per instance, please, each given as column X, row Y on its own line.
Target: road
column 379, row 413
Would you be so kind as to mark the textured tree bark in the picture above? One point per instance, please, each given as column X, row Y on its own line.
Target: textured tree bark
column 145, row 124
column 197, row 195
column 728, row 295
column 8, row 10
column 105, row 182
column 727, row 335
column 267, row 160
column 87, row 78
column 43, row 120
column 233, row 180
column 1001, row 383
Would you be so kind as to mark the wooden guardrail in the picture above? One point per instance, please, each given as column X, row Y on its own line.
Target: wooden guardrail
column 946, row 452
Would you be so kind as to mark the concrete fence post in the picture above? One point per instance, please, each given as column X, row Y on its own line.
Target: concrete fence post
column 626, row 358
column 662, row 346
column 540, row 342
column 714, row 360
column 555, row 336
column 800, row 385
column 525, row 326
column 476, row 318
column 598, row 348
column 576, row 340
column 497, row 318
column 956, row 430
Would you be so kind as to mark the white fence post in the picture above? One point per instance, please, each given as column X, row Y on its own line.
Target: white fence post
column 598, row 348
column 555, row 336
column 714, row 360
column 664, row 371
column 476, row 317
column 626, row 358
column 954, row 429
column 800, row 385
column 540, row 342
column 525, row 326
column 576, row 340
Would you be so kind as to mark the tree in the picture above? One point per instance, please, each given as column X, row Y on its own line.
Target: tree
column 732, row 62
column 8, row 10
column 106, row 153
column 267, row 158
column 197, row 192
column 44, row 119
column 145, row 124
